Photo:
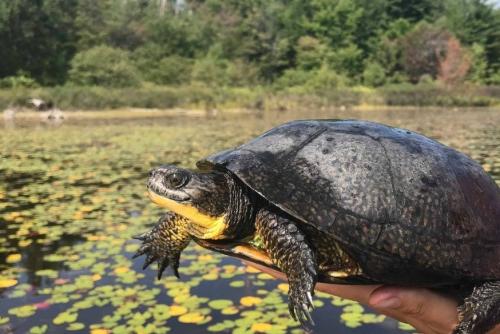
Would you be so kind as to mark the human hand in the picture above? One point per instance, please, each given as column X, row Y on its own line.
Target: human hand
column 428, row 312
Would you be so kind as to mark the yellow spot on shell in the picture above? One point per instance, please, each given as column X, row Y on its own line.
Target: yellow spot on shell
column 176, row 310
column 261, row 327
column 6, row 283
column 250, row 301
column 13, row 258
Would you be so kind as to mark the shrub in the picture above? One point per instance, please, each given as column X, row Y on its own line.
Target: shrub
column 17, row 81
column 241, row 73
column 374, row 75
column 103, row 66
column 425, row 79
column 293, row 78
column 494, row 79
column 210, row 70
column 172, row 70
column 326, row 79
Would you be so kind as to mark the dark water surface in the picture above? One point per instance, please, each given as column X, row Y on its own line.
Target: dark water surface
column 72, row 195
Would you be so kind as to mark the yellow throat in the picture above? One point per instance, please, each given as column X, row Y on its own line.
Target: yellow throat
column 203, row 227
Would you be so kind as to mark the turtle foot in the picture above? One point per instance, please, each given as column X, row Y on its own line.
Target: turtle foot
column 480, row 311
column 164, row 244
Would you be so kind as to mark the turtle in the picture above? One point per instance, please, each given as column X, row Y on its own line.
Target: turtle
column 340, row 201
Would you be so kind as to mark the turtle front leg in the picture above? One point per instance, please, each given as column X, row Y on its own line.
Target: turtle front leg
column 164, row 243
column 289, row 251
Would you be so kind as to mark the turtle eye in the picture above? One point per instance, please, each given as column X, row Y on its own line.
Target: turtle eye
column 177, row 180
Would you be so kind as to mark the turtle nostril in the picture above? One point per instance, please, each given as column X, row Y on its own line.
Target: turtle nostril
column 151, row 173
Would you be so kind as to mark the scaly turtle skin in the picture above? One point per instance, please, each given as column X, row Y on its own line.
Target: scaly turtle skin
column 341, row 202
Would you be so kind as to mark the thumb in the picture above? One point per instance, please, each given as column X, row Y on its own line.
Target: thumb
column 427, row 311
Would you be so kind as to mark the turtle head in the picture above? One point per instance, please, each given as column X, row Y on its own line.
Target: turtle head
column 201, row 197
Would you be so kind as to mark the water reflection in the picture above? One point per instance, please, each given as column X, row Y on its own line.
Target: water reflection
column 71, row 197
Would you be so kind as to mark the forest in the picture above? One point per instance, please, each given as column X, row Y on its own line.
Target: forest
column 314, row 46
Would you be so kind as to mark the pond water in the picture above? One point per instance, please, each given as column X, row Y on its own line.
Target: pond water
column 72, row 195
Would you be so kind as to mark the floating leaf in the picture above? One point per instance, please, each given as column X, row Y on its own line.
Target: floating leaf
column 237, row 284
column 192, row 318
column 13, row 258
column 23, row 311
column 47, row 273
column 283, row 287
column 39, row 329
column 405, row 326
column 99, row 331
column 76, row 326
column 219, row 304
column 261, row 327
column 65, row 317
column 230, row 310
column 6, row 283
column 121, row 270
column 176, row 310
column 250, row 301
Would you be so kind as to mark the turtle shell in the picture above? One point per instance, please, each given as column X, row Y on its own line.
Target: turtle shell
column 396, row 200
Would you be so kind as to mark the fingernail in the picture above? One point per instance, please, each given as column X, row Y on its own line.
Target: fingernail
column 392, row 302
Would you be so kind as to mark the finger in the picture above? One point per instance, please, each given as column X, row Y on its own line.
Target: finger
column 359, row 293
column 425, row 310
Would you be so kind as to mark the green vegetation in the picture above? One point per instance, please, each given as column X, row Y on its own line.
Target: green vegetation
column 314, row 47
column 71, row 201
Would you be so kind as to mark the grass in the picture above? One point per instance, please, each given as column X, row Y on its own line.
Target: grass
column 210, row 98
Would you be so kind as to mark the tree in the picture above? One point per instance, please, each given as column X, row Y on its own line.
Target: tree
column 37, row 37
column 455, row 64
column 422, row 48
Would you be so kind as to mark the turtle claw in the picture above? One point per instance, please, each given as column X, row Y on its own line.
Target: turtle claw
column 149, row 259
column 141, row 236
column 301, row 313
column 161, row 267
column 141, row 251
column 301, row 304
column 310, row 299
